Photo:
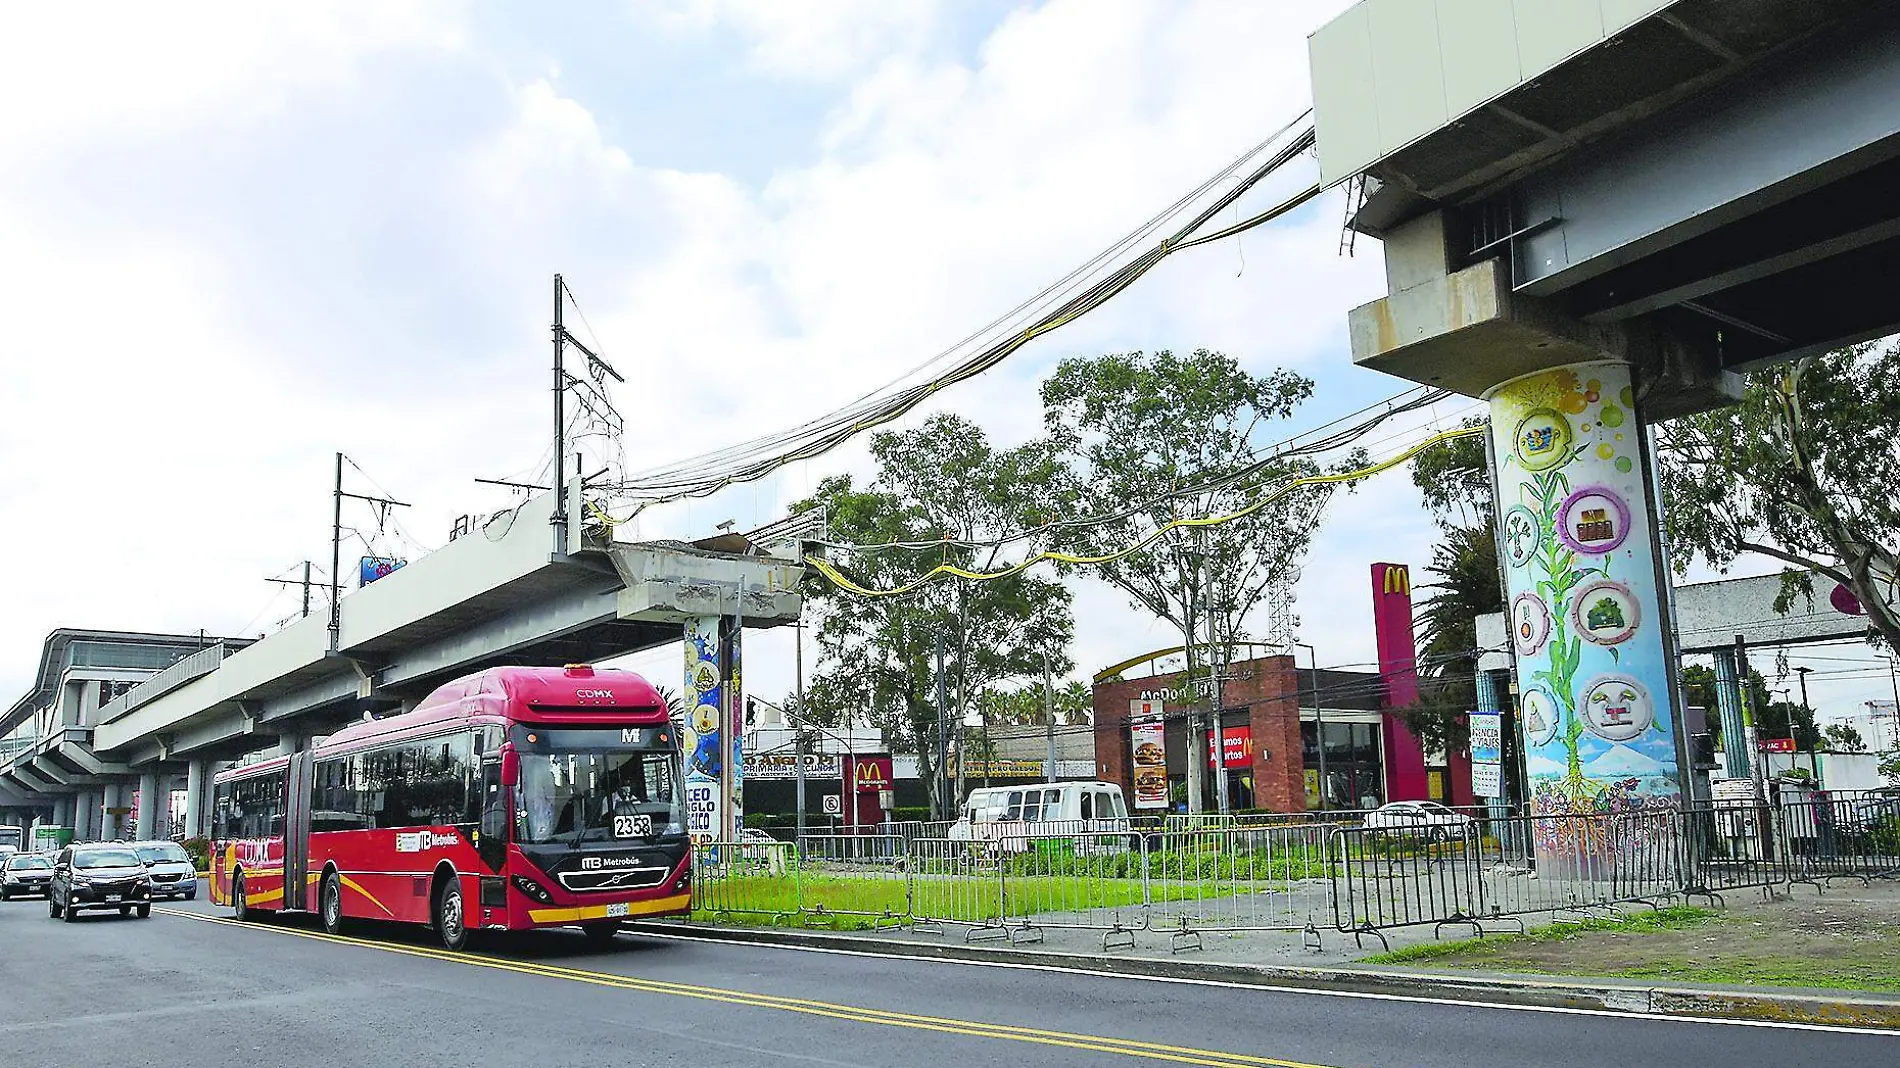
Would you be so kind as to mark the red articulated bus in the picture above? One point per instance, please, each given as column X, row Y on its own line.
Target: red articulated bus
column 510, row 799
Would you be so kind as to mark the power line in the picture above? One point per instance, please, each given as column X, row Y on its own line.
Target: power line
column 707, row 473
column 849, row 585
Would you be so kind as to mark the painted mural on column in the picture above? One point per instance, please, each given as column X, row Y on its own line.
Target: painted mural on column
column 1585, row 620
column 705, row 756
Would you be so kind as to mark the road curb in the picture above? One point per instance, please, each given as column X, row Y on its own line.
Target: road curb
column 1855, row 1009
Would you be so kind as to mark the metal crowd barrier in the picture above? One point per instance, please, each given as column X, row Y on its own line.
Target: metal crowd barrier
column 1246, row 877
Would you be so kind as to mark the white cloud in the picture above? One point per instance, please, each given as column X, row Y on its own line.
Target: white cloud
column 175, row 381
column 808, row 42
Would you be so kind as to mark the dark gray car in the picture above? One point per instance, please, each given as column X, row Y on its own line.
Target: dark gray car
column 25, row 875
column 98, row 877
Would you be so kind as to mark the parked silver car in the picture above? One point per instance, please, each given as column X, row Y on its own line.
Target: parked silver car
column 170, row 867
column 25, row 875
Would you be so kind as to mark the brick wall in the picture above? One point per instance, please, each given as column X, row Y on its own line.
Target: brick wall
column 1266, row 687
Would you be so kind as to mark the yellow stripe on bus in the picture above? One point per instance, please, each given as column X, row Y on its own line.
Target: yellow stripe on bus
column 678, row 903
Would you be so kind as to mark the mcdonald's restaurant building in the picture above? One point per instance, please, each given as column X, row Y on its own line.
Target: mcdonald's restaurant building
column 1274, row 716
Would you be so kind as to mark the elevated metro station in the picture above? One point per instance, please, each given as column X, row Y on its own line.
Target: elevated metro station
column 111, row 712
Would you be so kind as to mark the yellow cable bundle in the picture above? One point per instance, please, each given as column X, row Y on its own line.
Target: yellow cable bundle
column 839, row 579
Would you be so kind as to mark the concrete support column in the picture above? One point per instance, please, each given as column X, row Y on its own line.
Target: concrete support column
column 1583, row 570
column 1736, row 759
column 63, row 810
column 714, row 729
column 197, row 791
column 112, row 825
column 85, row 816
column 152, row 802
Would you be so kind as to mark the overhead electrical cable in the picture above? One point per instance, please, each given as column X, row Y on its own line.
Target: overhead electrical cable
column 1293, row 448
column 844, row 582
column 708, row 473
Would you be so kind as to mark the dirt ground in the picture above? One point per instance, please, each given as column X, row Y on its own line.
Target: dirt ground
column 1845, row 936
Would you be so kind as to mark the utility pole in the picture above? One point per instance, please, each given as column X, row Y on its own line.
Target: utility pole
column 1217, row 692
column 1319, row 720
column 304, row 582
column 1049, row 715
column 947, row 804
column 798, row 729
column 1813, row 759
column 1893, row 676
column 336, row 549
column 559, row 519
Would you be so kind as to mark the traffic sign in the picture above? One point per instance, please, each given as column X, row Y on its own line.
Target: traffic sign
column 834, row 805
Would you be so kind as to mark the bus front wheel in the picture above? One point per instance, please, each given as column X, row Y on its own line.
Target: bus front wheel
column 451, row 923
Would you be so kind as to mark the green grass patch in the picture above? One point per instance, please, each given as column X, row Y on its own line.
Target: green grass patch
column 1674, row 918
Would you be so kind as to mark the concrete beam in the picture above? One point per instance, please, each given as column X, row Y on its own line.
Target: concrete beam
column 37, row 782
column 1466, row 331
column 670, row 584
column 65, row 778
column 81, row 756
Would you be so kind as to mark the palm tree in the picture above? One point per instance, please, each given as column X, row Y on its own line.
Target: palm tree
column 1466, row 585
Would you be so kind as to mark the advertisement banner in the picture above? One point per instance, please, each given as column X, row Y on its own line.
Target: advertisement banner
column 1487, row 780
column 705, row 755
column 374, row 567
column 1237, row 739
column 1150, row 755
column 1487, row 738
column 784, row 766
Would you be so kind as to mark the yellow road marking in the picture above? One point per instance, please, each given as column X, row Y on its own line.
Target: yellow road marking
column 851, row 1013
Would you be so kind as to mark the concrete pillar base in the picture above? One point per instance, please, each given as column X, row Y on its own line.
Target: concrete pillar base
column 1577, row 537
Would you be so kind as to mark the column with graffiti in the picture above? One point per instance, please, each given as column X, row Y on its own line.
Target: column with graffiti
column 706, row 756
column 1588, row 628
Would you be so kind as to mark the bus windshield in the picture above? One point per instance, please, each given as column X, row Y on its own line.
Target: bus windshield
column 596, row 784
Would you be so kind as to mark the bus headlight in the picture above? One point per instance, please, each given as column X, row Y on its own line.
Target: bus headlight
column 533, row 889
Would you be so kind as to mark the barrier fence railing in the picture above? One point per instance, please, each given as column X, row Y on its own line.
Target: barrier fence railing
column 1017, row 886
column 1493, row 872
column 1188, row 878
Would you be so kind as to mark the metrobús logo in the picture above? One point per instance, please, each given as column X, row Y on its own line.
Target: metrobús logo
column 608, row 863
column 418, row 841
column 594, row 695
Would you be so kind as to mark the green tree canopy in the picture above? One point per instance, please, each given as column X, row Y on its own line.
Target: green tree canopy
column 1147, row 438
column 941, row 494
column 1803, row 471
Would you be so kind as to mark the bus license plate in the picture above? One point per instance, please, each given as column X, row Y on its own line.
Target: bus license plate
column 614, row 911
column 633, row 826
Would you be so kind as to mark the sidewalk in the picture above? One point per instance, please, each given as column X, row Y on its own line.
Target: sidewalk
column 1460, row 968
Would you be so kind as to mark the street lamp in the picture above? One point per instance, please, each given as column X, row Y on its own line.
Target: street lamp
column 1319, row 718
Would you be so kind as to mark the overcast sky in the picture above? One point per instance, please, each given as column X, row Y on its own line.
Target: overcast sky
column 236, row 238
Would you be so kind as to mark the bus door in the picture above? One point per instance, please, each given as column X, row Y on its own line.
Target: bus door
column 297, row 830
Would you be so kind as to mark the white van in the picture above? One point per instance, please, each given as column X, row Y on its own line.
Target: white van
column 1016, row 813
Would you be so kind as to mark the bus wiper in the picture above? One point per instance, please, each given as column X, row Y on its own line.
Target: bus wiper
column 580, row 824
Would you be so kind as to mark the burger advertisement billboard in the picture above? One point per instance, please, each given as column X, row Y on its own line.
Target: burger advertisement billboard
column 1149, row 755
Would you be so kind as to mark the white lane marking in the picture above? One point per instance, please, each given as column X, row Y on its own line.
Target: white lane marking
column 1845, row 1029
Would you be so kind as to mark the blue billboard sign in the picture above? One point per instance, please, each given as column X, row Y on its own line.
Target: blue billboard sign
column 375, row 567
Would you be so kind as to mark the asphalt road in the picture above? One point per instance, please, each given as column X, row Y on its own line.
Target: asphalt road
column 189, row 984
